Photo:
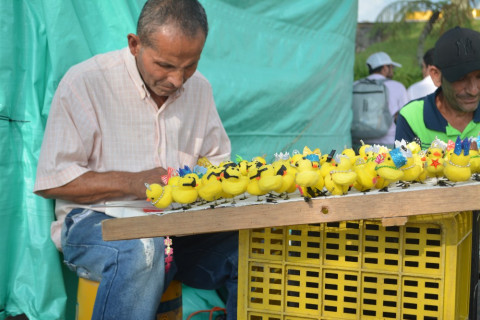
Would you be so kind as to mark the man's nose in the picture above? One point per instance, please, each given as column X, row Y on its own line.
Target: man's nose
column 177, row 77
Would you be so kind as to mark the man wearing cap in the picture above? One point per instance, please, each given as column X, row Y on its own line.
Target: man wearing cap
column 381, row 67
column 452, row 110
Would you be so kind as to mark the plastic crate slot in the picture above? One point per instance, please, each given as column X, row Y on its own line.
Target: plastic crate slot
column 275, row 292
column 256, row 279
column 330, row 308
column 315, row 274
column 352, row 248
column 431, row 296
column 371, row 226
column 429, row 307
column 410, row 317
column 294, row 243
column 333, row 235
column 412, row 230
column 369, row 313
column 370, row 237
column 256, row 300
column 392, row 304
column 333, row 246
column 313, row 244
column 412, row 241
column 296, row 254
column 412, row 252
column 371, row 249
column 389, row 315
column 331, row 257
column 391, row 250
column 314, row 234
column 411, row 264
column 370, row 301
column 434, row 285
column 433, row 254
column 410, row 283
column 274, row 252
column 369, row 290
column 392, row 239
column 371, row 260
column 351, row 258
column 274, row 302
column 390, row 262
column 430, row 265
column 311, row 295
column 351, row 225
column 410, row 294
column 435, row 243
column 408, row 305
column 294, row 283
column 312, row 285
column 258, row 251
column 311, row 306
column 387, row 292
column 430, row 318
column 258, row 240
column 370, row 279
column 350, row 288
column 293, row 271
column 311, row 255
column 390, row 281
column 434, row 231
column 333, row 224
column 350, row 299
column 392, row 229
column 350, row 310
column 351, row 236
column 295, row 232
column 330, row 297
column 330, row 286
column 293, row 293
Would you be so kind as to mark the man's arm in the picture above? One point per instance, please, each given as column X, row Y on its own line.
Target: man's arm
column 92, row 187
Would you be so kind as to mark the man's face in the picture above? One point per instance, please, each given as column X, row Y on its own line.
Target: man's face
column 389, row 70
column 169, row 61
column 463, row 95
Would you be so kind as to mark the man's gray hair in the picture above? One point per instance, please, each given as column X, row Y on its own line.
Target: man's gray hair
column 188, row 15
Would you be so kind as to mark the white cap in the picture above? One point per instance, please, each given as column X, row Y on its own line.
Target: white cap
column 379, row 59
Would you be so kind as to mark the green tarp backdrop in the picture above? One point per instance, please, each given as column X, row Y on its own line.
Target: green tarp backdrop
column 281, row 72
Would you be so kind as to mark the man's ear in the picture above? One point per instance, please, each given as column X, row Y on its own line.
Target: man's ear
column 133, row 44
column 436, row 75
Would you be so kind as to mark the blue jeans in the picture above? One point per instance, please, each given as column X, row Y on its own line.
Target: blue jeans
column 132, row 272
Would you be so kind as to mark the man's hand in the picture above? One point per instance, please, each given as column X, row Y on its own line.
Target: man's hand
column 93, row 187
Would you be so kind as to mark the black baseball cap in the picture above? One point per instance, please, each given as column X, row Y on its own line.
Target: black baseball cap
column 457, row 52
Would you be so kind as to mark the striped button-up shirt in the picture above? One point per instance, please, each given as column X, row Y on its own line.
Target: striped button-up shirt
column 103, row 118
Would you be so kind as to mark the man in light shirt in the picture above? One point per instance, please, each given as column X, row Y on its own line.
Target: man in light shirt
column 381, row 67
column 425, row 86
column 118, row 121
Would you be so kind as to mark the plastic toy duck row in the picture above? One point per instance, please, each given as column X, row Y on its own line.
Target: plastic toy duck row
column 316, row 174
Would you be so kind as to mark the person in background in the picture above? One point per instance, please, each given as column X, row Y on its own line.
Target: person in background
column 117, row 121
column 381, row 66
column 425, row 86
column 452, row 110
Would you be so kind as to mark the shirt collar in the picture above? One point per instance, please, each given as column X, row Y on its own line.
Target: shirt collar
column 132, row 70
column 432, row 116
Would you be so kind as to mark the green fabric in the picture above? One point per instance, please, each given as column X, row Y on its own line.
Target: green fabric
column 413, row 113
column 281, row 73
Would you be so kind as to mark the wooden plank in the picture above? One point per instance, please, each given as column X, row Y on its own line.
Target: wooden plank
column 327, row 209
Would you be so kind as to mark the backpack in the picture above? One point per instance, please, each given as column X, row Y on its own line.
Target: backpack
column 371, row 116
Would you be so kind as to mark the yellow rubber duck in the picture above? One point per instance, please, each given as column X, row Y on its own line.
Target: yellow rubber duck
column 435, row 162
column 233, row 182
column 253, row 188
column 387, row 168
column 339, row 180
column 160, row 197
column 185, row 192
column 457, row 168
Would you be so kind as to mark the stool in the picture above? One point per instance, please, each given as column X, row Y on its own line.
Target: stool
column 170, row 308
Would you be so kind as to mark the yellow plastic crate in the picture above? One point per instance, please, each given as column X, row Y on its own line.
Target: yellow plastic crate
column 357, row 270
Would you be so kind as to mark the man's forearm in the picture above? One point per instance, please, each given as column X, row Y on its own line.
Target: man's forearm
column 93, row 187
